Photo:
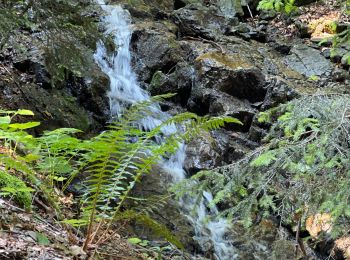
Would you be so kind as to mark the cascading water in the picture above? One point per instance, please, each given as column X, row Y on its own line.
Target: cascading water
column 124, row 90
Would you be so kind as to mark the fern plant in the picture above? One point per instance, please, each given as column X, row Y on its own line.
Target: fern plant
column 117, row 159
column 112, row 163
column 16, row 159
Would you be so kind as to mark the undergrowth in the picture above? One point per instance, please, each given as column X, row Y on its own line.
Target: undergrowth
column 110, row 165
column 303, row 168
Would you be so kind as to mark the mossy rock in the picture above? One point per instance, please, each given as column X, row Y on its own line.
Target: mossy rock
column 158, row 80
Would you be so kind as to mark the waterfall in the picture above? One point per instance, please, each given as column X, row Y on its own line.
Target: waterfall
column 125, row 90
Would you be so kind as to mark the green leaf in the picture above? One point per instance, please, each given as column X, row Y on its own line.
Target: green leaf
column 56, row 178
column 134, row 240
column 243, row 191
column 144, row 243
column 264, row 117
column 31, row 157
column 24, row 112
column 75, row 222
column 42, row 239
column 5, row 120
column 22, row 126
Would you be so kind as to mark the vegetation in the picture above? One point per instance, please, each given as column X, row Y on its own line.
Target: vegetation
column 286, row 6
column 302, row 169
column 112, row 162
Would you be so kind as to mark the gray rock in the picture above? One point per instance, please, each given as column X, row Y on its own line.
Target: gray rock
column 217, row 103
column 198, row 20
column 345, row 60
column 180, row 82
column 202, row 154
column 337, row 54
column 155, row 49
column 230, row 8
column 278, row 91
column 308, row 61
column 232, row 74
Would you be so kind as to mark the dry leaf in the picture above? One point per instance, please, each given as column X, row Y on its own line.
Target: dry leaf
column 68, row 200
column 342, row 244
column 317, row 223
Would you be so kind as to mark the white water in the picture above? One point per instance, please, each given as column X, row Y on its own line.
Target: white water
column 125, row 90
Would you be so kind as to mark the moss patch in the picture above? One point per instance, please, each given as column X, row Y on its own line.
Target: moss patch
column 233, row 61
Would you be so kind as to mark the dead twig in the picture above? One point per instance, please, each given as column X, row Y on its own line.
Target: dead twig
column 299, row 241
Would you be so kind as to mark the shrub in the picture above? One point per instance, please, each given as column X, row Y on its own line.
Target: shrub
column 303, row 167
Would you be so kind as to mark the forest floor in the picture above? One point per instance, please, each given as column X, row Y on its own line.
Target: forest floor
column 37, row 235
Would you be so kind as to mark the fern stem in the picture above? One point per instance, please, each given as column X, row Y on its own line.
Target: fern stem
column 117, row 209
column 89, row 235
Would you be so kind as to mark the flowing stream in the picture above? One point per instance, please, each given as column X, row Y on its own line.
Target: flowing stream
column 125, row 90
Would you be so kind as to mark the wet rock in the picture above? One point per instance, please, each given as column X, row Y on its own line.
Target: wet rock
column 247, row 32
column 91, row 94
column 284, row 249
column 337, row 54
column 326, row 52
column 308, row 61
column 340, row 75
column 165, row 209
column 216, row 149
column 180, row 82
column 256, row 133
column 304, row 29
column 53, row 108
column 198, row 20
column 37, row 69
column 147, row 8
column 202, row 154
column 281, row 46
column 30, row 60
column 155, row 49
column 345, row 60
column 279, row 91
column 267, row 15
column 217, row 103
column 230, row 8
column 232, row 74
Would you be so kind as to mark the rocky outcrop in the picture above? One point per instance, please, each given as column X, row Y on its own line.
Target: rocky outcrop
column 204, row 21
column 231, row 74
column 26, row 83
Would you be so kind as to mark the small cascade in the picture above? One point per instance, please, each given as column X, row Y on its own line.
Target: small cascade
column 125, row 90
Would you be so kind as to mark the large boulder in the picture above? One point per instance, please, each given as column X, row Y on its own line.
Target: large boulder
column 232, row 74
column 196, row 20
